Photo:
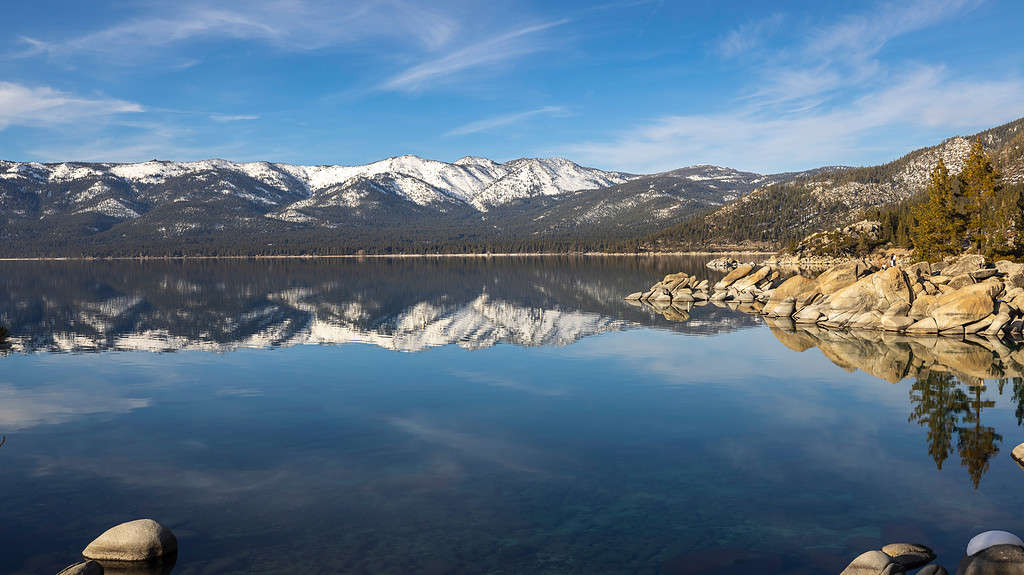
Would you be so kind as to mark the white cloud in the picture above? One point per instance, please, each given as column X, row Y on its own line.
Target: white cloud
column 296, row 25
column 747, row 36
column 750, row 139
column 508, row 46
column 42, row 106
column 824, row 101
column 504, row 120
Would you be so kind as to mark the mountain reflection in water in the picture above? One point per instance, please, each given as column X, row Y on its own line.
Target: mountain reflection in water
column 406, row 305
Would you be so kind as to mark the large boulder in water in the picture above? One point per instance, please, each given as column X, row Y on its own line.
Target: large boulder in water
column 892, row 287
column 753, row 279
column 966, row 305
column 878, row 291
column 1018, row 455
column 909, row 555
column 840, row 276
column 872, row 563
column 1002, row 559
column 923, row 306
column 799, row 287
column 139, row 540
column 731, row 277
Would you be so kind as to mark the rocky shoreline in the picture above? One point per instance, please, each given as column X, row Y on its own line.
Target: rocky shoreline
column 988, row 553
column 957, row 298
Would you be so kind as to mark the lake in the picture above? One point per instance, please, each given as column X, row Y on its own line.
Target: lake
column 499, row 415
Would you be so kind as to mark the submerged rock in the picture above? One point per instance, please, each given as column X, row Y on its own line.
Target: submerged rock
column 163, row 566
column 139, row 540
column 83, row 568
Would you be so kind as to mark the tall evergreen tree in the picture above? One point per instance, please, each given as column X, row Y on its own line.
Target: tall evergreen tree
column 935, row 232
column 988, row 215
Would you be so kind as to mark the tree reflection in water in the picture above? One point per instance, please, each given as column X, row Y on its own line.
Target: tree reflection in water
column 941, row 405
column 949, row 379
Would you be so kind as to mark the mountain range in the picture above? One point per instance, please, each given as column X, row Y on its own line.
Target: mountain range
column 411, row 204
column 404, row 203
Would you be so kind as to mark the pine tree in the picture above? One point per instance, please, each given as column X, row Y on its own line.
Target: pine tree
column 987, row 214
column 935, row 232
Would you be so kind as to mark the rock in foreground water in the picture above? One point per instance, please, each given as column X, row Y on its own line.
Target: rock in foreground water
column 996, row 560
column 983, row 541
column 139, row 540
column 909, row 555
column 84, row 568
column 1018, row 455
column 873, row 563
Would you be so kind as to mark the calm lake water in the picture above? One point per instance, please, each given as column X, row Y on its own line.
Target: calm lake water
column 477, row 416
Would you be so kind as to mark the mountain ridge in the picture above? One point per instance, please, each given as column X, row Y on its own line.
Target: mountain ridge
column 409, row 204
column 399, row 203
column 788, row 210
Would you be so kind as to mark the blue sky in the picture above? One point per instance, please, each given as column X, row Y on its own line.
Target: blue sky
column 633, row 85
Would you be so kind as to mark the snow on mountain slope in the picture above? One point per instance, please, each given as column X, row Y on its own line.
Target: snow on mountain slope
column 479, row 182
column 530, row 177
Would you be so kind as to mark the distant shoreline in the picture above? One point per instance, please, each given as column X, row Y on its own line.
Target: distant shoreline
column 394, row 256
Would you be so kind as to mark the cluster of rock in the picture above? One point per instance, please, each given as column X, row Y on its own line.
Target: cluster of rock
column 956, row 298
column 807, row 262
column 988, row 553
column 679, row 287
column 894, row 558
column 723, row 264
column 745, row 283
column 140, row 547
column 959, row 298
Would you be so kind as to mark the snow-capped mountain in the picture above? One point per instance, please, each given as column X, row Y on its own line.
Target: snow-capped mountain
column 478, row 182
column 404, row 203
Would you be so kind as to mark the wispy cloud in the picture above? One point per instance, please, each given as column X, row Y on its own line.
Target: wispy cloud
column 224, row 118
column 297, row 25
column 504, row 47
column 823, row 99
column 747, row 36
column 748, row 139
column 504, row 120
column 43, row 106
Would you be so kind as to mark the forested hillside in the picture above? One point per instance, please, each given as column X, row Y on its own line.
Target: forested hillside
column 781, row 214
